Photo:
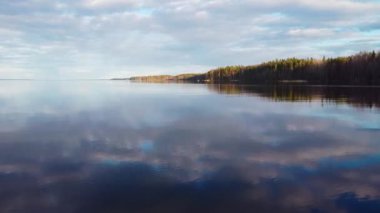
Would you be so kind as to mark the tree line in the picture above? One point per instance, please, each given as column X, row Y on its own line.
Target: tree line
column 360, row 69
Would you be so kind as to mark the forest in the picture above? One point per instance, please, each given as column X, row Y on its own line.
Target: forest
column 360, row 69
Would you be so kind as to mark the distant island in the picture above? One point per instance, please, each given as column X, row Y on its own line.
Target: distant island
column 360, row 69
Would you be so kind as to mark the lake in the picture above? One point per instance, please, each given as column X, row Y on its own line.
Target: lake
column 118, row 146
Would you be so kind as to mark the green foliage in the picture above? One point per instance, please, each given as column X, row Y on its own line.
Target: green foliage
column 362, row 68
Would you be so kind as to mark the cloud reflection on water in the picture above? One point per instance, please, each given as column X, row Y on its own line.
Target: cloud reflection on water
column 182, row 148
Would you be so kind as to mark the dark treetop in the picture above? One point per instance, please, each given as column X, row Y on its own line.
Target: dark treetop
column 359, row 69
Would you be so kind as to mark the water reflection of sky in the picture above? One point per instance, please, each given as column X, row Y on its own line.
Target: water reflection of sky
column 116, row 146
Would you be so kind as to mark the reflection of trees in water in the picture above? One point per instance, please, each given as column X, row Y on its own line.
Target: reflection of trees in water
column 366, row 97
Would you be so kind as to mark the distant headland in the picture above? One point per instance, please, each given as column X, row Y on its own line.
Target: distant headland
column 359, row 69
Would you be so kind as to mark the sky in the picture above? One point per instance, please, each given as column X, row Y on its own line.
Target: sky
column 91, row 39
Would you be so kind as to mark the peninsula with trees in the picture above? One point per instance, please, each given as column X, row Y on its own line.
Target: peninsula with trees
column 359, row 69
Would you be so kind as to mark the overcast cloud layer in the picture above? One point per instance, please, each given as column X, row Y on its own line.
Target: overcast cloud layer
column 119, row 38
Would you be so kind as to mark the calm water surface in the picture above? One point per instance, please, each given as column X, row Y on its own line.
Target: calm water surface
column 114, row 146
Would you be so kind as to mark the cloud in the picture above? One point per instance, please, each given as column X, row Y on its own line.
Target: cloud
column 174, row 36
column 109, row 3
column 311, row 32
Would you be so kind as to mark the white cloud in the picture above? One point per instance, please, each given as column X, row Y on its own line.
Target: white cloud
column 311, row 32
column 131, row 36
column 109, row 3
